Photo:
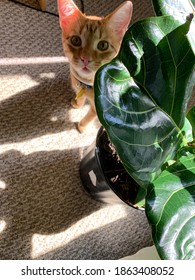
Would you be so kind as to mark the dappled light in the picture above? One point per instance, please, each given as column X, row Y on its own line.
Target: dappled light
column 81, row 228
column 44, row 211
column 2, row 185
column 2, row 226
column 32, row 60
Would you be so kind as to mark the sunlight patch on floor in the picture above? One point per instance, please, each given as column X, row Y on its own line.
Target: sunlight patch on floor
column 2, row 225
column 76, row 115
column 50, row 142
column 43, row 244
column 2, row 185
column 13, row 84
column 32, row 60
column 49, row 75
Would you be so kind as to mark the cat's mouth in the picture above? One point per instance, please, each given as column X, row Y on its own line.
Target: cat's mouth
column 85, row 69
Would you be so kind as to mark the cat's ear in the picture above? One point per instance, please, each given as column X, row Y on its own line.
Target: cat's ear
column 68, row 12
column 120, row 18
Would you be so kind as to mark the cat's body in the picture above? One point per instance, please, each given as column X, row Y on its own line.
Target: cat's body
column 89, row 42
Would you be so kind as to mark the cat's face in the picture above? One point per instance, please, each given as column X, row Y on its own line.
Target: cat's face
column 91, row 41
column 88, row 45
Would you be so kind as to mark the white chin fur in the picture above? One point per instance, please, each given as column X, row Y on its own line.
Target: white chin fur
column 84, row 76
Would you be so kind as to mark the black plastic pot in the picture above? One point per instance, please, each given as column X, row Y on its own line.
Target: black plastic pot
column 94, row 177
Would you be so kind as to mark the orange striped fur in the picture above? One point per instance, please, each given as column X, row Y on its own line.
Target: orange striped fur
column 88, row 43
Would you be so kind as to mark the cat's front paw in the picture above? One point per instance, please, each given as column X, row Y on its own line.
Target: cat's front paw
column 74, row 104
column 81, row 128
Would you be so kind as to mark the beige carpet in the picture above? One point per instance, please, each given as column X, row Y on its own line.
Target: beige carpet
column 44, row 213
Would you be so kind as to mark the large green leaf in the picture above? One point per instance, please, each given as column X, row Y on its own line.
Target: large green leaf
column 173, row 7
column 170, row 204
column 142, row 95
column 170, row 208
column 179, row 9
column 159, row 57
column 141, row 99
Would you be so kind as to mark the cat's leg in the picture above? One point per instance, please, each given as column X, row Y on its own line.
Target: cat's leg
column 89, row 117
column 78, row 102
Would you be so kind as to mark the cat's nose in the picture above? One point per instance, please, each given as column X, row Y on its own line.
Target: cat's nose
column 85, row 60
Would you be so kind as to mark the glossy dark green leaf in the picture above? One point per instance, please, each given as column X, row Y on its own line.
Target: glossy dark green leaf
column 142, row 95
column 141, row 99
column 170, row 208
column 161, row 61
column 180, row 10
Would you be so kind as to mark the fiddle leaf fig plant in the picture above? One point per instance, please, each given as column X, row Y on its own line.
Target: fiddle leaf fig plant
column 141, row 99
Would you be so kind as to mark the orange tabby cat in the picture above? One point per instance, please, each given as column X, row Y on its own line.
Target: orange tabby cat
column 89, row 42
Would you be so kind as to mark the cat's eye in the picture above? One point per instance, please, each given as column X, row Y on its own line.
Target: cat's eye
column 103, row 45
column 76, row 41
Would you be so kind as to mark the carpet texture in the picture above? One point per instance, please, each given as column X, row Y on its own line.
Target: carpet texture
column 44, row 212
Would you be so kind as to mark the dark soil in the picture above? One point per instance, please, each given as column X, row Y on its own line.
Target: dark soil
column 119, row 180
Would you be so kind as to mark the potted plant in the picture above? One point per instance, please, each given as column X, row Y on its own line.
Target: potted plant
column 141, row 99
